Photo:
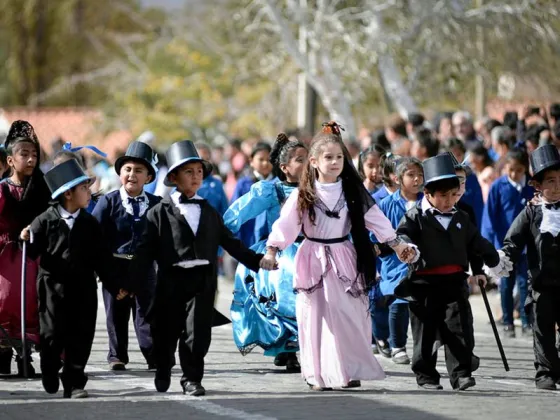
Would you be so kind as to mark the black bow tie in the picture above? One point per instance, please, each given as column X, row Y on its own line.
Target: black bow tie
column 137, row 199
column 440, row 213
column 332, row 214
column 185, row 200
column 553, row 206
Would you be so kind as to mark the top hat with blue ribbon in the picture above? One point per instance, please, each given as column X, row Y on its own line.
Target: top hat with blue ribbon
column 139, row 152
column 543, row 158
column 184, row 152
column 437, row 168
column 66, row 176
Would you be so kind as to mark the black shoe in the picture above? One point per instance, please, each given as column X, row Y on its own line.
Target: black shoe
column 384, row 348
column 509, row 331
column 194, row 389
column 162, row 381
column 292, row 365
column 353, row 384
column 317, row 388
column 152, row 367
column 51, row 383
column 546, row 383
column 465, row 383
column 431, row 387
column 117, row 365
column 281, row 359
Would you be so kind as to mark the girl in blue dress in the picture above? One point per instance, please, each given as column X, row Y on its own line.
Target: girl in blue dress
column 263, row 310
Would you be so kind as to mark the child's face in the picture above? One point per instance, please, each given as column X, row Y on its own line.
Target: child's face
column 260, row 163
column 79, row 196
column 188, row 178
column 294, row 168
column 329, row 163
column 458, row 153
column 462, row 181
column 418, row 151
column 443, row 201
column 134, row 176
column 550, row 186
column 371, row 168
column 412, row 180
column 515, row 170
column 23, row 159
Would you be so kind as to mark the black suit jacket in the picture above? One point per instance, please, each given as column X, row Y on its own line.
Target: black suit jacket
column 168, row 240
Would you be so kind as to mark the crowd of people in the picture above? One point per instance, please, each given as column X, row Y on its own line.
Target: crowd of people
column 340, row 246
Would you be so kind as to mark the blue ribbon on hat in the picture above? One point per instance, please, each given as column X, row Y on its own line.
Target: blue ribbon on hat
column 68, row 147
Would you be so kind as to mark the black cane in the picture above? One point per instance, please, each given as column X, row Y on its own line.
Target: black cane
column 24, row 310
column 493, row 323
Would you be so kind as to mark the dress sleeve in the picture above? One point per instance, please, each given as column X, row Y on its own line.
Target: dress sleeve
column 379, row 225
column 288, row 226
column 249, row 206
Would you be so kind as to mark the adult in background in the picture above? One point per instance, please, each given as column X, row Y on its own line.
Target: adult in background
column 464, row 129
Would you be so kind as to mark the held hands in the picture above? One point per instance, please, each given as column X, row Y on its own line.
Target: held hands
column 268, row 262
column 122, row 294
column 407, row 253
column 504, row 267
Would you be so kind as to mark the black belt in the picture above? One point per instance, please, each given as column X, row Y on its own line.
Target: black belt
column 299, row 239
column 328, row 241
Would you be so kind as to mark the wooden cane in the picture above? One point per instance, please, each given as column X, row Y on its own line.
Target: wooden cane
column 24, row 310
column 493, row 323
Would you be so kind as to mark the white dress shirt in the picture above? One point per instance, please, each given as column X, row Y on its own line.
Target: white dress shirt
column 128, row 206
column 191, row 213
column 69, row 218
column 550, row 221
column 443, row 220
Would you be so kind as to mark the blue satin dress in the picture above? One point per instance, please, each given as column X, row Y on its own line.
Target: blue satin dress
column 263, row 311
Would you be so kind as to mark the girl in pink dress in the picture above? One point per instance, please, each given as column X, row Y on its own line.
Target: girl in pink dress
column 333, row 273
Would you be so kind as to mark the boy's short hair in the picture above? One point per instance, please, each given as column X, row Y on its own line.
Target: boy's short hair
column 427, row 140
column 442, row 186
column 518, row 155
column 260, row 147
column 405, row 163
column 397, row 124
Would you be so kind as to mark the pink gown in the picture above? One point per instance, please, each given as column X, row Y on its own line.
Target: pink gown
column 333, row 321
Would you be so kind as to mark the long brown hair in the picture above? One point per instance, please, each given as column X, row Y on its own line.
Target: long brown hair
column 358, row 199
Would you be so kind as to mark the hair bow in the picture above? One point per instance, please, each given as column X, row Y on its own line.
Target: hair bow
column 68, row 147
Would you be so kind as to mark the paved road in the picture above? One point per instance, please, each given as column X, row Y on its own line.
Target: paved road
column 251, row 388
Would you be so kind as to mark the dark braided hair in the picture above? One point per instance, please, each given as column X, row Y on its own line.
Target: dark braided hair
column 282, row 151
column 358, row 199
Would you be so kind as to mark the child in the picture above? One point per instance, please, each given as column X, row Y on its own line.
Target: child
column 22, row 157
column 264, row 305
column 424, row 145
column 436, row 286
column 388, row 176
column 368, row 167
column 332, row 274
column 508, row 196
column 71, row 245
column 388, row 311
column 536, row 228
column 183, row 235
column 122, row 215
column 253, row 230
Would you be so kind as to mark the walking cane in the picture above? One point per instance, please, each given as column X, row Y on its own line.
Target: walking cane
column 24, row 310
column 493, row 323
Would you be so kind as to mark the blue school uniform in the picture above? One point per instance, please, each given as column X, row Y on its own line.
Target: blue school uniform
column 123, row 228
column 263, row 310
column 212, row 190
column 380, row 194
column 473, row 197
column 505, row 202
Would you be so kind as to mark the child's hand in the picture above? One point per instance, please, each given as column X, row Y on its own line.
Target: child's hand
column 406, row 253
column 122, row 294
column 268, row 262
column 474, row 280
column 25, row 234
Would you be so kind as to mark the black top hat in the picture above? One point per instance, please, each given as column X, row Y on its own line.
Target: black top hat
column 184, row 152
column 460, row 166
column 65, row 176
column 142, row 153
column 543, row 158
column 437, row 168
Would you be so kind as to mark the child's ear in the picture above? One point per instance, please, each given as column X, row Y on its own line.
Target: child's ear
column 68, row 194
column 313, row 162
column 149, row 179
column 172, row 177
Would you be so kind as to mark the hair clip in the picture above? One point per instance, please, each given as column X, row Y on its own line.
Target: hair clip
column 68, row 147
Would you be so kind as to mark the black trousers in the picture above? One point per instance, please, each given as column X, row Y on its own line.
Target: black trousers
column 183, row 312
column 67, row 329
column 118, row 316
column 546, row 315
column 442, row 312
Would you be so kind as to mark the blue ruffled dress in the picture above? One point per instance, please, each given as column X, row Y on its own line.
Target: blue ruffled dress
column 263, row 311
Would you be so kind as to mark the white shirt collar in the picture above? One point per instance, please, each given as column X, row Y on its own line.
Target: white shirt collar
column 128, row 206
column 66, row 214
column 426, row 206
column 262, row 178
column 176, row 194
column 518, row 186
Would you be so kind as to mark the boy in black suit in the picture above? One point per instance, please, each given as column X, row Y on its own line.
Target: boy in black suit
column 537, row 228
column 72, row 249
column 436, row 286
column 183, row 235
